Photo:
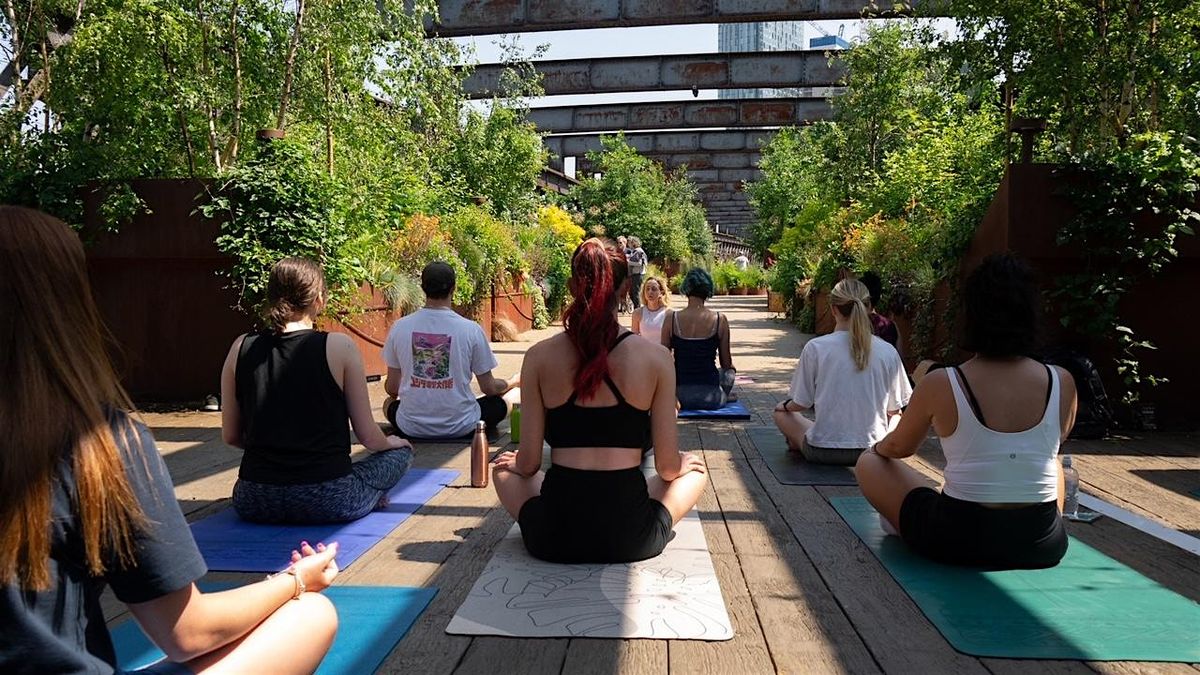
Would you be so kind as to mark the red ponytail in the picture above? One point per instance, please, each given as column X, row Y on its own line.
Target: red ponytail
column 598, row 272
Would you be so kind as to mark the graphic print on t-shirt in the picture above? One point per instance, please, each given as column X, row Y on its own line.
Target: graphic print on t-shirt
column 431, row 361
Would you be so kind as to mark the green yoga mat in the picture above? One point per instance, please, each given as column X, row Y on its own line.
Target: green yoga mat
column 1090, row 607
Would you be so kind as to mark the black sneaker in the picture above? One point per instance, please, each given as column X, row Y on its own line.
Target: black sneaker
column 212, row 403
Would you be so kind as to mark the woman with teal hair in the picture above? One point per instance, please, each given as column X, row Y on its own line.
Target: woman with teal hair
column 699, row 337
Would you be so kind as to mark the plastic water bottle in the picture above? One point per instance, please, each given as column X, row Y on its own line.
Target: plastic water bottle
column 1071, row 478
column 514, row 423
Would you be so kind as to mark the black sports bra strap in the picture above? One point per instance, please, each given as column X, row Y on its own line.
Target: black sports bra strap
column 970, row 396
column 616, row 392
column 620, row 337
column 1049, row 384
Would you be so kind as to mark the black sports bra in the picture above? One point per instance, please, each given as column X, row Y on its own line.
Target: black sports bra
column 612, row 426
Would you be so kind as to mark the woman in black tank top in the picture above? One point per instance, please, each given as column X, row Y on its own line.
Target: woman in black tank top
column 594, row 505
column 287, row 393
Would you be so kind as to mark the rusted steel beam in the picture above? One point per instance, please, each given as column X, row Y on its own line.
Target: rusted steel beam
column 758, row 112
column 666, row 142
column 745, row 159
column 487, row 17
column 721, row 70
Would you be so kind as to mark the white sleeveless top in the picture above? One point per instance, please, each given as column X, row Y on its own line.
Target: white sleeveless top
column 652, row 322
column 988, row 466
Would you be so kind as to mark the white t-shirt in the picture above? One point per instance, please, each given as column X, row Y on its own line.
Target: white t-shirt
column 851, row 405
column 437, row 352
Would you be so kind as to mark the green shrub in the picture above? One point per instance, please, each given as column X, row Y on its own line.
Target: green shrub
column 279, row 204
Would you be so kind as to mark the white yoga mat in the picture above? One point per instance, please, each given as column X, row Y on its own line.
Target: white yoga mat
column 674, row 596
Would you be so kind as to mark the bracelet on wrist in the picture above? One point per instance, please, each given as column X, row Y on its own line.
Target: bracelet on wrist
column 300, row 587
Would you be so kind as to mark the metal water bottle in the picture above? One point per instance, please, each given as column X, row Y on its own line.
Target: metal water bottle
column 479, row 456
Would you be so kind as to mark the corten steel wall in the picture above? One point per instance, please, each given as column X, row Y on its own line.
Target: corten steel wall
column 160, row 290
column 157, row 285
column 1025, row 217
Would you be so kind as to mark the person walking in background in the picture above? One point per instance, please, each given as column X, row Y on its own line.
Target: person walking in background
column 1001, row 418
column 648, row 319
column 599, row 400
column 853, row 381
column 637, row 271
column 288, row 391
column 883, row 327
column 88, row 503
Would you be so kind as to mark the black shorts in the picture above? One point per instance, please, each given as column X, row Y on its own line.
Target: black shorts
column 594, row 517
column 958, row 532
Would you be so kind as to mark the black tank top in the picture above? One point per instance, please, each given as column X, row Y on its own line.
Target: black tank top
column 294, row 421
column 612, row 426
column 696, row 358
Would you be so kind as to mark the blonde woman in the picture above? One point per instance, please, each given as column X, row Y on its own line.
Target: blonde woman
column 648, row 319
column 853, row 381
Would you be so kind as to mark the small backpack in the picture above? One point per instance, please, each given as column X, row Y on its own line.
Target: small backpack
column 1093, row 416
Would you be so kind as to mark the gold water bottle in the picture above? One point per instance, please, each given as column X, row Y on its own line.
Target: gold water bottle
column 479, row 456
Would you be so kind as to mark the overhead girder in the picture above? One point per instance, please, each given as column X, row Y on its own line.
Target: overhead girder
column 719, row 70
column 692, row 160
column 488, row 17
column 665, row 142
column 756, row 112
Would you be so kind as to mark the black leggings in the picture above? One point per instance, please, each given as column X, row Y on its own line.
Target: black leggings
column 594, row 517
column 958, row 532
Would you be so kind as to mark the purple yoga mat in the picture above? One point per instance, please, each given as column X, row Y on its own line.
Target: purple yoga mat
column 232, row 545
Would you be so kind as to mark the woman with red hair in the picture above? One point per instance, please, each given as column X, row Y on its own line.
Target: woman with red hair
column 599, row 400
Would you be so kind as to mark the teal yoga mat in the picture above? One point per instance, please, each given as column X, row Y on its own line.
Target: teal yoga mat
column 371, row 620
column 1090, row 607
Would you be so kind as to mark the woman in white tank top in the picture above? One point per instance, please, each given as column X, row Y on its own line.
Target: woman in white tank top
column 648, row 319
column 1000, row 418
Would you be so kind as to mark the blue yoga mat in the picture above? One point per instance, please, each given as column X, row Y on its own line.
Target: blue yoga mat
column 735, row 410
column 230, row 544
column 371, row 620
column 1089, row 607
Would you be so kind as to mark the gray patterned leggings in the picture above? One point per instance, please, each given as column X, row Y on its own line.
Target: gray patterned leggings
column 335, row 501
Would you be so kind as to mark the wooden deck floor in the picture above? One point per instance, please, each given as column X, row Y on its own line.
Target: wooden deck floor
column 803, row 592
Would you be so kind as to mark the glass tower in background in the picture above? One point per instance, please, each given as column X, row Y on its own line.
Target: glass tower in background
column 770, row 36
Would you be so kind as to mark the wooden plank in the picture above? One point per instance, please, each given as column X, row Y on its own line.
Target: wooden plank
column 602, row 657
column 801, row 620
column 747, row 652
column 895, row 631
column 489, row 655
column 427, row 648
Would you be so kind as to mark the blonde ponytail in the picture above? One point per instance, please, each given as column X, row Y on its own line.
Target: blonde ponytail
column 850, row 297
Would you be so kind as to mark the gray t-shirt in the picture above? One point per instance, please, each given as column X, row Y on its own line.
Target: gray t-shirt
column 62, row 630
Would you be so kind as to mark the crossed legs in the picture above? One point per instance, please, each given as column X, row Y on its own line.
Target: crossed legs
column 276, row 645
column 794, row 427
column 679, row 495
column 886, row 482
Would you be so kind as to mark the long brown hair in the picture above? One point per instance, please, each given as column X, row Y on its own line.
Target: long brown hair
column 59, row 390
column 598, row 275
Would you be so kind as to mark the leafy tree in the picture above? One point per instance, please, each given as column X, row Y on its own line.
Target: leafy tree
column 634, row 197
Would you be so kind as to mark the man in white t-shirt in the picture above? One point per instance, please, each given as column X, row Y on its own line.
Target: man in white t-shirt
column 431, row 357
